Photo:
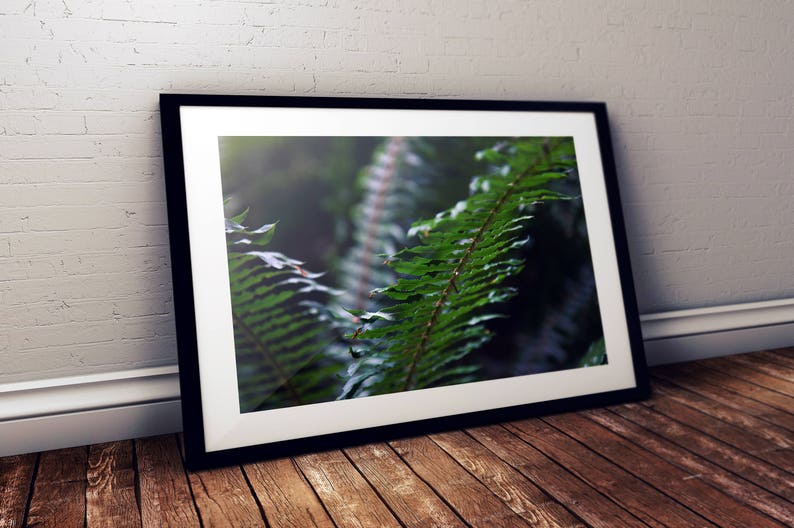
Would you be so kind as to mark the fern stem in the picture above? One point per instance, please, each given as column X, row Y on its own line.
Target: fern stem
column 421, row 348
column 295, row 396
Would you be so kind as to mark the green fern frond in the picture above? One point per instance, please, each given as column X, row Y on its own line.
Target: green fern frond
column 392, row 187
column 278, row 334
column 453, row 280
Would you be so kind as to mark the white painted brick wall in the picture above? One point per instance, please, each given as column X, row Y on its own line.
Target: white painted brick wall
column 700, row 95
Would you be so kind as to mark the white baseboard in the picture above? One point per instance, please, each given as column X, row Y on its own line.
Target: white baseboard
column 79, row 428
column 80, row 410
column 46, row 397
column 64, row 412
column 715, row 344
column 686, row 335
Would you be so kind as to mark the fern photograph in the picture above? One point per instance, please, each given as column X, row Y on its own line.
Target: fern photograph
column 363, row 266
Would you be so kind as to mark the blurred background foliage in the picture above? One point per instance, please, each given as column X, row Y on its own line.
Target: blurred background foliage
column 311, row 184
column 314, row 187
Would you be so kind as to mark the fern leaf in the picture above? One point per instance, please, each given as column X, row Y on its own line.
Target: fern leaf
column 453, row 280
column 278, row 335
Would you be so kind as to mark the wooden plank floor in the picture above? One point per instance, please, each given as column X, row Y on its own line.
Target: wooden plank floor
column 712, row 447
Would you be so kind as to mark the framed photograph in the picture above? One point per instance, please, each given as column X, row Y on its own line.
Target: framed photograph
column 349, row 270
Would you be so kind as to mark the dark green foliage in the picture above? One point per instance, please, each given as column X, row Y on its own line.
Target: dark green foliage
column 596, row 355
column 557, row 318
column 279, row 337
column 568, row 323
column 453, row 280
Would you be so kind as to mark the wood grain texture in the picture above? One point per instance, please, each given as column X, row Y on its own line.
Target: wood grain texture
column 465, row 494
column 750, row 468
column 777, row 357
column 585, row 501
column 110, row 494
column 786, row 351
column 700, row 497
column 165, row 495
column 780, row 436
column 652, row 506
column 731, row 484
column 412, row 501
column 752, row 373
column 763, row 363
column 286, row 496
column 347, row 497
column 700, row 374
column 16, row 474
column 738, row 437
column 59, row 492
column 724, row 396
column 223, row 498
column 514, row 489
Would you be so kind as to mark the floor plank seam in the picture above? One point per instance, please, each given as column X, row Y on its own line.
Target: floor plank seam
column 317, row 495
column 181, row 450
column 31, row 489
column 137, row 476
column 256, row 497
column 85, row 479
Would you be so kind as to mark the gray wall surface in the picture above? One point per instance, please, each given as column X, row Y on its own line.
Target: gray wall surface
column 700, row 96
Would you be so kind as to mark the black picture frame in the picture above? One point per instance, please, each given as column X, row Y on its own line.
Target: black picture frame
column 191, row 126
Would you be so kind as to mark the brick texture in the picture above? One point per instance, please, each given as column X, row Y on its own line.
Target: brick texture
column 700, row 95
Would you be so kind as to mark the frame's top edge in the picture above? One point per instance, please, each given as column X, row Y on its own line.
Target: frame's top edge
column 397, row 103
